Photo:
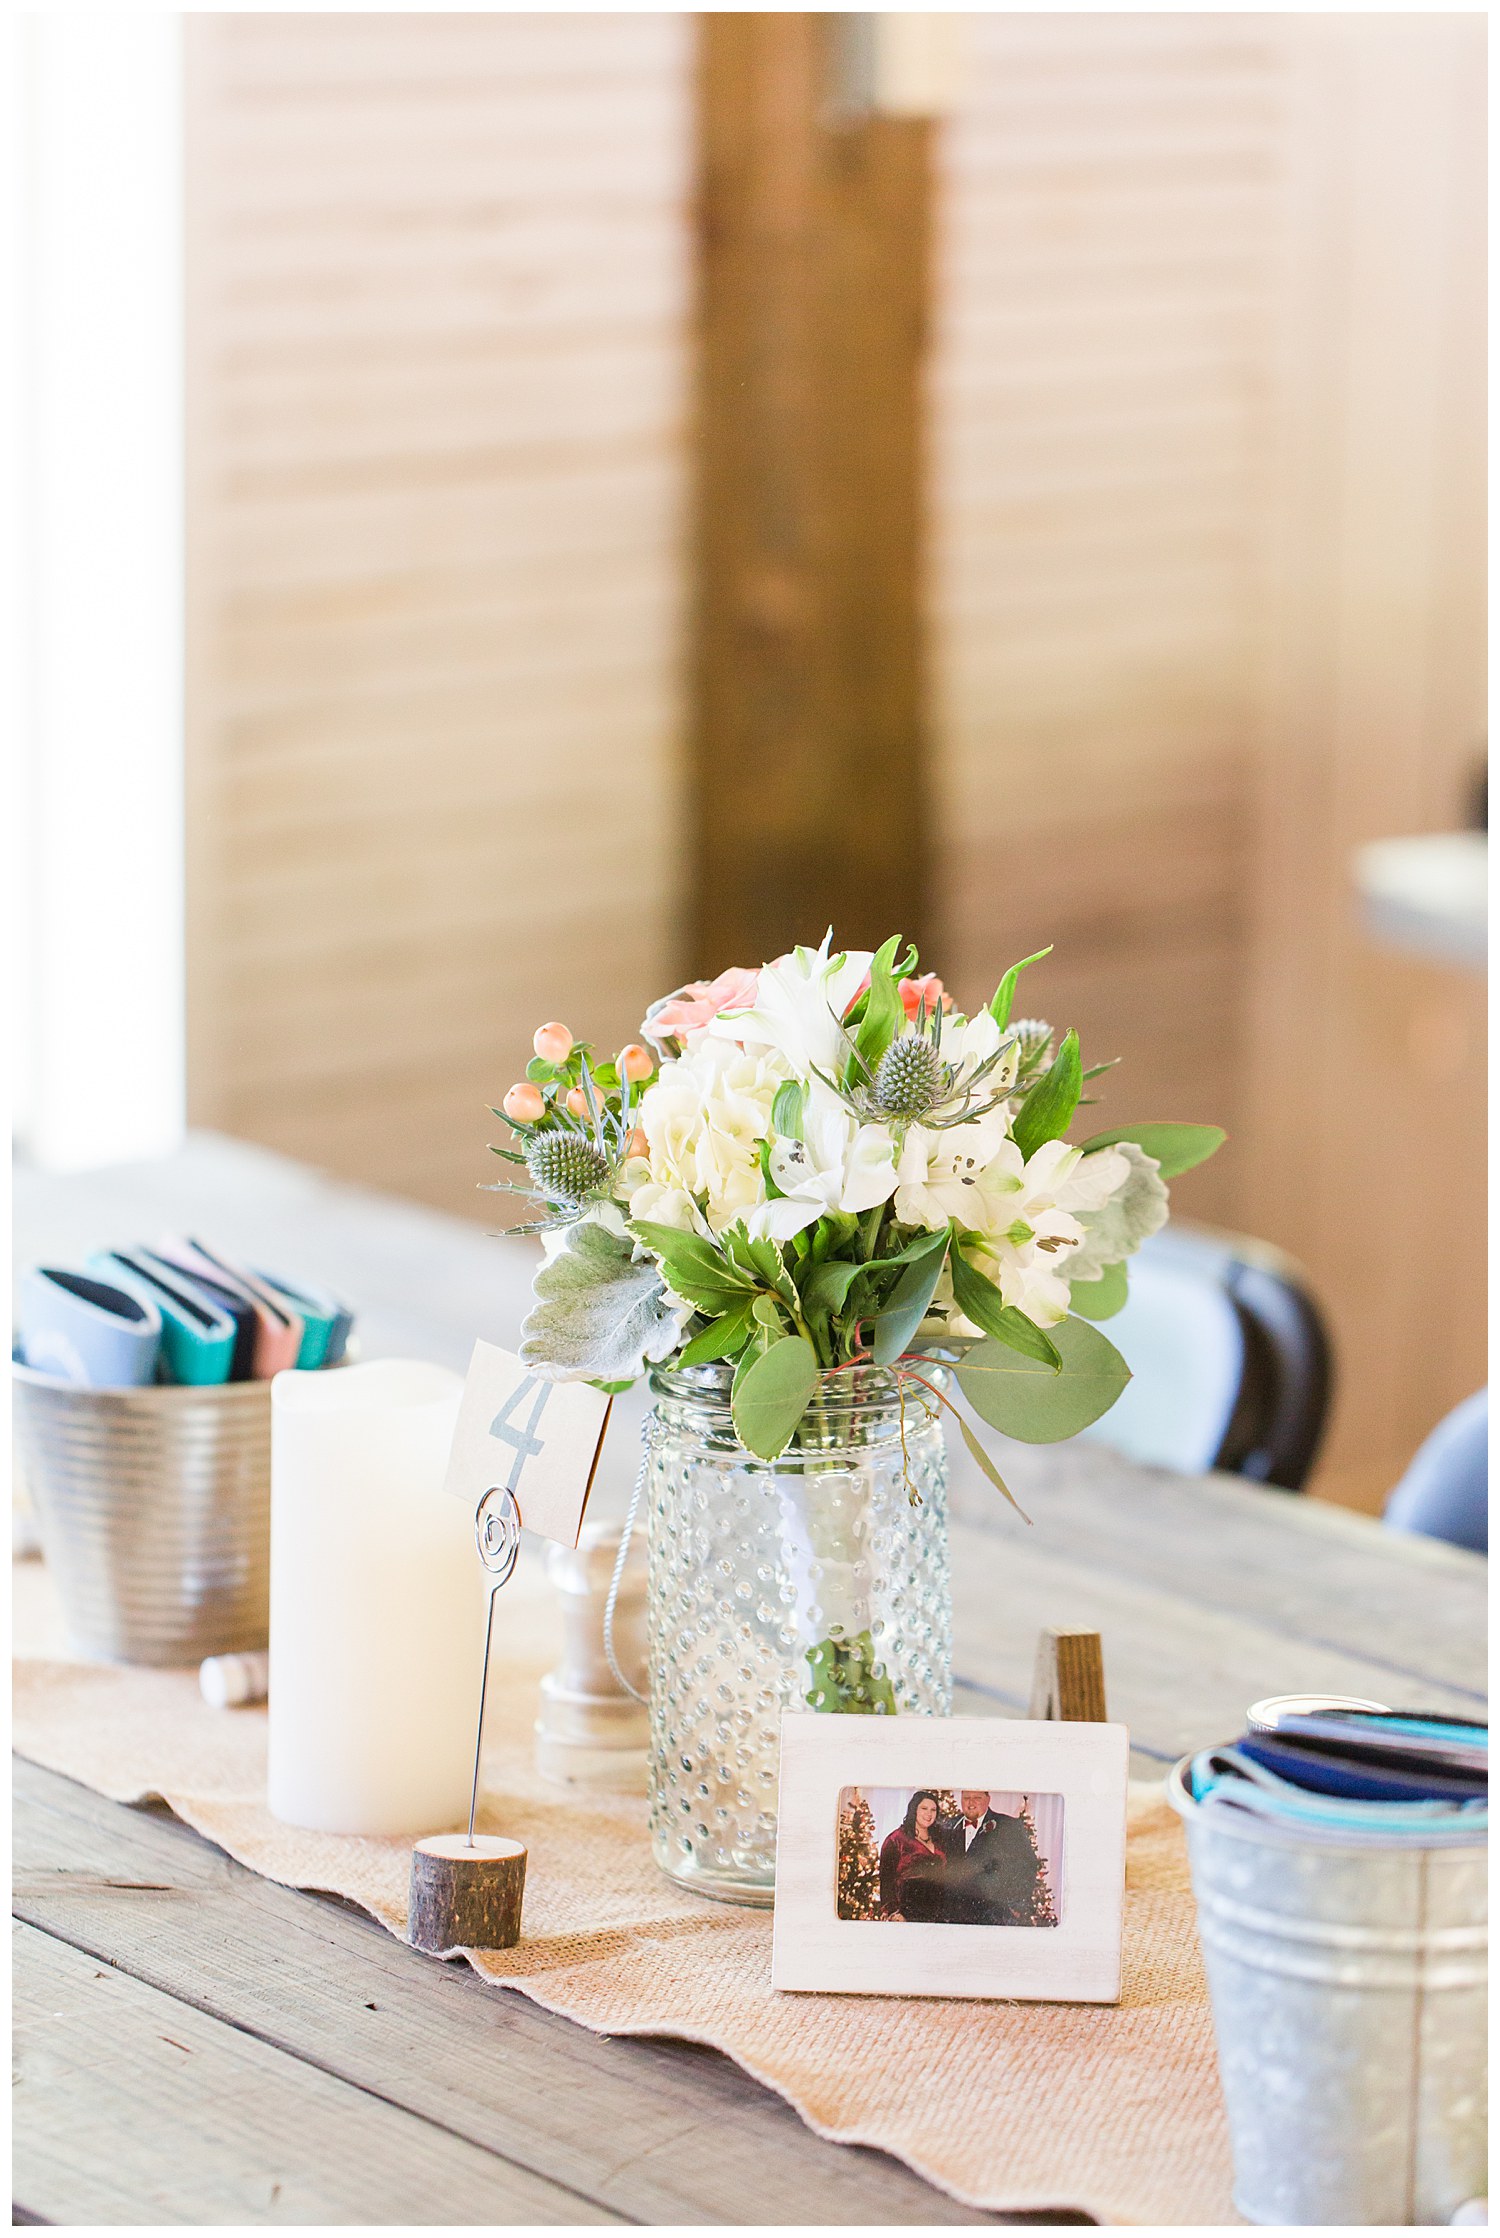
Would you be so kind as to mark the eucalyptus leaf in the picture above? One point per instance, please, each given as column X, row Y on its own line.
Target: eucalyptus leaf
column 824, row 1288
column 1175, row 1144
column 979, row 1301
column 1005, row 993
column 1102, row 1299
column 1048, row 1108
column 987, row 1464
column 1121, row 1226
column 770, row 1397
column 906, row 1308
column 1025, row 1401
column 600, row 1314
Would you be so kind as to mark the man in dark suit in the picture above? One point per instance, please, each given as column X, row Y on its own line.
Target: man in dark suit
column 991, row 1875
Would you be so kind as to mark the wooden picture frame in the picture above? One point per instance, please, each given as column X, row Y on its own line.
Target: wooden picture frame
column 1064, row 1782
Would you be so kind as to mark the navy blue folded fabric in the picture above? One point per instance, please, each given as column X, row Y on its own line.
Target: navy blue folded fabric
column 1366, row 1781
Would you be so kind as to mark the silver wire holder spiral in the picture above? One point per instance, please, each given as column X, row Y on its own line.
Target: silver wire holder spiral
column 497, row 1534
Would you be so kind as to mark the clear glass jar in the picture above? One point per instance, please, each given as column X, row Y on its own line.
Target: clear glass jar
column 816, row 1581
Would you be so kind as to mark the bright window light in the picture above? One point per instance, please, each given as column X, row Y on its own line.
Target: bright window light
column 95, row 596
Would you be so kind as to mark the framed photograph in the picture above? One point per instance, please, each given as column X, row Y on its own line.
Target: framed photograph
column 950, row 1857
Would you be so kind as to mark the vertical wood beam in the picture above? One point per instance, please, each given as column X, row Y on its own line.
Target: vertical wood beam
column 808, row 782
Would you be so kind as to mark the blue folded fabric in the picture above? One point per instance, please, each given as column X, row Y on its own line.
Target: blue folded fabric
column 1324, row 1774
column 1231, row 1779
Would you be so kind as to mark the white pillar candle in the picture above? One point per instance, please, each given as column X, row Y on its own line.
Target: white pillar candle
column 377, row 1603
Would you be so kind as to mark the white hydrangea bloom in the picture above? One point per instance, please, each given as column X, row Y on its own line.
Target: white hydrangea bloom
column 704, row 1118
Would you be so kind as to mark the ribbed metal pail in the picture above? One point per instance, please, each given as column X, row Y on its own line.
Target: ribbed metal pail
column 1348, row 1991
column 154, row 1510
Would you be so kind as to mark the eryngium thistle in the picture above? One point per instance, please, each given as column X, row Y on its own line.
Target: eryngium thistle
column 908, row 1077
column 568, row 1168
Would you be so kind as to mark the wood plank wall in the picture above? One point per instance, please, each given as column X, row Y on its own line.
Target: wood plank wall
column 1105, row 314
column 438, row 273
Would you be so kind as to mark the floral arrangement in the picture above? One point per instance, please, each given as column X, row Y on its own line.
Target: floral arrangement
column 823, row 1164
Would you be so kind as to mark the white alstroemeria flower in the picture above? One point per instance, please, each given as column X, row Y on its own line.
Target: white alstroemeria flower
column 798, row 1007
column 838, row 1166
column 951, row 1173
column 704, row 1118
column 1024, row 1250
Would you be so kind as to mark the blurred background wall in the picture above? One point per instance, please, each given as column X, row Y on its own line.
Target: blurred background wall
column 1200, row 469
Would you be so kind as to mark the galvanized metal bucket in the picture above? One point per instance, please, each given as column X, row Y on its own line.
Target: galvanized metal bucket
column 1348, row 1989
column 154, row 1510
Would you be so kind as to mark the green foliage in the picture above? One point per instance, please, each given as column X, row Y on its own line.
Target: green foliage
column 771, row 1393
column 1026, row 1401
column 1048, row 1108
column 980, row 1302
column 884, row 1014
column 787, row 1109
column 1101, row 1300
column 695, row 1268
column 906, row 1307
column 848, row 1679
column 987, row 1464
column 1175, row 1144
column 721, row 1340
column 1005, row 993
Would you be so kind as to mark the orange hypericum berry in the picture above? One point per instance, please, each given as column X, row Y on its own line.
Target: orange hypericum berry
column 523, row 1103
column 553, row 1042
column 636, row 1062
column 578, row 1103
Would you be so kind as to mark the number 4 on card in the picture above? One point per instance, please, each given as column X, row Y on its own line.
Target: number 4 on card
column 542, row 1440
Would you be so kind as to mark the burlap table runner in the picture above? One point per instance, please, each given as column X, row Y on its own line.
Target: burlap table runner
column 1112, row 2110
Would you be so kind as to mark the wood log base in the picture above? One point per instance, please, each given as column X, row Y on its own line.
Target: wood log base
column 465, row 1898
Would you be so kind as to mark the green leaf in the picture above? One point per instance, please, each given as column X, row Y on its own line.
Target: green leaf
column 787, row 1107
column 988, row 1465
column 1050, row 1105
column 1005, row 993
column 1175, row 1144
column 884, row 1015
column 906, row 1308
column 1101, row 1300
column 758, row 1258
column 1022, row 1399
column 721, row 1340
column 695, row 1268
column 770, row 1397
column 538, row 1070
column 848, row 1678
column 825, row 1287
column 980, row 1302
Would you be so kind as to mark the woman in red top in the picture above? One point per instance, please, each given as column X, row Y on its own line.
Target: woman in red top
column 911, row 1864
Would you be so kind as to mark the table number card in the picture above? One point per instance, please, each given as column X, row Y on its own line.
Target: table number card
column 541, row 1440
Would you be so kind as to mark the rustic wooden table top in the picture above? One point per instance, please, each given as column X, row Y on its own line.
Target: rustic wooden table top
column 196, row 2045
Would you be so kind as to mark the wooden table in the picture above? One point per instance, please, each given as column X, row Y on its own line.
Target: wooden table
column 196, row 2045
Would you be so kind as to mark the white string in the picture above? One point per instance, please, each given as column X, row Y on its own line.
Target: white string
column 619, row 1570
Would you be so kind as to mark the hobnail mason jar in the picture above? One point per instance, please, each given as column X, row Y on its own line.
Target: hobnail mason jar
column 816, row 1581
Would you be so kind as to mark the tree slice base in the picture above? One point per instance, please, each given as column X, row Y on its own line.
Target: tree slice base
column 463, row 1898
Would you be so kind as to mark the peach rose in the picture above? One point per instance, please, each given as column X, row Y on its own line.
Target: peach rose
column 911, row 991
column 677, row 1015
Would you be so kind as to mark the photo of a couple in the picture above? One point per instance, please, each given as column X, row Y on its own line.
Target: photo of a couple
column 972, row 1858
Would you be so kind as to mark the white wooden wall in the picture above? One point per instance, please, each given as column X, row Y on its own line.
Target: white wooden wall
column 437, row 292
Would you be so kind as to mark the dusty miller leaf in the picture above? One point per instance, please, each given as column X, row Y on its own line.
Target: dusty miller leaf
column 600, row 1313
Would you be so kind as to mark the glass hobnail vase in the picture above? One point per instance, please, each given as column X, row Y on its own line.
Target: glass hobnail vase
column 818, row 1581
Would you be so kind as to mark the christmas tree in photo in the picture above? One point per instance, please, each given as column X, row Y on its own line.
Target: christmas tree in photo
column 859, row 1859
